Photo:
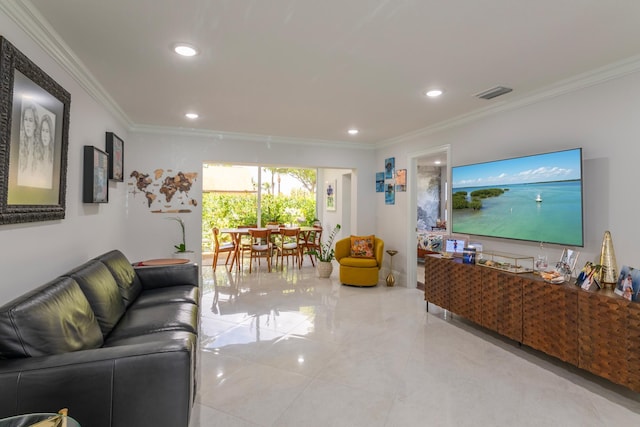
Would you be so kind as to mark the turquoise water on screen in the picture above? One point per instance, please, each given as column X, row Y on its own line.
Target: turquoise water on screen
column 516, row 214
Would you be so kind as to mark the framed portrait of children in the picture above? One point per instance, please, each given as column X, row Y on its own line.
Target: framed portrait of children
column 34, row 136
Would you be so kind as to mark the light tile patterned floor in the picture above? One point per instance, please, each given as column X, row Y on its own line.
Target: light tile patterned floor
column 289, row 349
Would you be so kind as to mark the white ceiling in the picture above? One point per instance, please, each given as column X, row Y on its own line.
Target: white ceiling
column 312, row 69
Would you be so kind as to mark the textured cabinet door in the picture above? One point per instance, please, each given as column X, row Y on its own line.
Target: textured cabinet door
column 633, row 346
column 437, row 279
column 465, row 298
column 602, row 335
column 550, row 319
column 510, row 306
column 490, row 299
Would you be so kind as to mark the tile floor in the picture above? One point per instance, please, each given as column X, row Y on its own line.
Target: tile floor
column 289, row 349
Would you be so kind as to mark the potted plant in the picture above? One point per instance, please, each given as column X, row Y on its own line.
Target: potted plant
column 181, row 248
column 325, row 254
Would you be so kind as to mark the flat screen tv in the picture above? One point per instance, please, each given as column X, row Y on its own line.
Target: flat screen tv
column 536, row 198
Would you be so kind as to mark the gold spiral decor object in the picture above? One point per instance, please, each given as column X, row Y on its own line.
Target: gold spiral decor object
column 391, row 281
column 609, row 270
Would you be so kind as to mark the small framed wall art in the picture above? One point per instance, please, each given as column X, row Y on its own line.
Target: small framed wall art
column 401, row 180
column 389, row 167
column 390, row 194
column 331, row 195
column 34, row 136
column 95, row 183
column 379, row 182
column 115, row 150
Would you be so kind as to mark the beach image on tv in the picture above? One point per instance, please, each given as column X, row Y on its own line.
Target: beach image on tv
column 536, row 198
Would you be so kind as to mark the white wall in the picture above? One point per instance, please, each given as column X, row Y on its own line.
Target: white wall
column 34, row 253
column 150, row 235
column 602, row 119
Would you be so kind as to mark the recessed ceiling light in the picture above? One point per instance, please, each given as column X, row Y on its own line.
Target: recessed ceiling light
column 434, row 93
column 437, row 162
column 353, row 131
column 191, row 116
column 185, row 49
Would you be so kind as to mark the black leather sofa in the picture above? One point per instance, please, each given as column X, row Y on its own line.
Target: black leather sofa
column 114, row 343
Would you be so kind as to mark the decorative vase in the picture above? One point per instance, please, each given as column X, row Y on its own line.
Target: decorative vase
column 391, row 281
column 190, row 255
column 325, row 268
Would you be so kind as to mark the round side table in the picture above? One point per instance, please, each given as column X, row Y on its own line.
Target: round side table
column 390, row 279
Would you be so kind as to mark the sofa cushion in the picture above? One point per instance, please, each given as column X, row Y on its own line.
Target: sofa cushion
column 184, row 293
column 124, row 274
column 358, row 262
column 163, row 336
column 362, row 246
column 102, row 292
column 156, row 318
column 55, row 318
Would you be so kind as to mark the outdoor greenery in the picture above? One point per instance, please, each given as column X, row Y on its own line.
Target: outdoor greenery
column 306, row 177
column 229, row 210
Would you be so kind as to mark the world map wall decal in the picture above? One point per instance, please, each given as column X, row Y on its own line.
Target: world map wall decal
column 163, row 191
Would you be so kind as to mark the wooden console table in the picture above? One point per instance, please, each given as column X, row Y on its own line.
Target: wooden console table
column 595, row 331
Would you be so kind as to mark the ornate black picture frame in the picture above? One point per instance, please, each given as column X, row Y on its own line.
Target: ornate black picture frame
column 95, row 176
column 115, row 149
column 34, row 140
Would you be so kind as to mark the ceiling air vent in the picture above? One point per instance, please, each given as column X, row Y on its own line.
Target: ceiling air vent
column 493, row 92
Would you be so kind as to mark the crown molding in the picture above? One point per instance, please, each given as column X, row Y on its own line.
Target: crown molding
column 248, row 137
column 581, row 81
column 36, row 26
column 27, row 17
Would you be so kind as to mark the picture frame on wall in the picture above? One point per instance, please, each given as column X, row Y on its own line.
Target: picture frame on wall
column 389, row 167
column 379, row 182
column 115, row 149
column 330, row 195
column 401, row 180
column 34, row 139
column 390, row 194
column 95, row 183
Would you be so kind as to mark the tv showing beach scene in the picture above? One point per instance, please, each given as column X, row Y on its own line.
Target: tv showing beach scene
column 536, row 198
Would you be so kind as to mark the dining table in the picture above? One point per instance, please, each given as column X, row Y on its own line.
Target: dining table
column 237, row 233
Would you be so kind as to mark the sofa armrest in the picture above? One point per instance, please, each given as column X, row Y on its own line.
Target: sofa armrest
column 152, row 277
column 141, row 384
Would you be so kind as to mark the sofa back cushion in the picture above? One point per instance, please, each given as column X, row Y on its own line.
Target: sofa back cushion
column 55, row 318
column 102, row 292
column 124, row 274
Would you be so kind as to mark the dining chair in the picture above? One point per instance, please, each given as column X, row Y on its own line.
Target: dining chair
column 229, row 248
column 310, row 240
column 289, row 246
column 244, row 242
column 261, row 246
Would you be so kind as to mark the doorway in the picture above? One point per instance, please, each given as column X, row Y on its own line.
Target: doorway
column 441, row 154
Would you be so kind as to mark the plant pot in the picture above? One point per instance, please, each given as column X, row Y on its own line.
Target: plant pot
column 325, row 268
column 190, row 255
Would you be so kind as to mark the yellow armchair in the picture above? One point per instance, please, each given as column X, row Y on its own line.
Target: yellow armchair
column 358, row 271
